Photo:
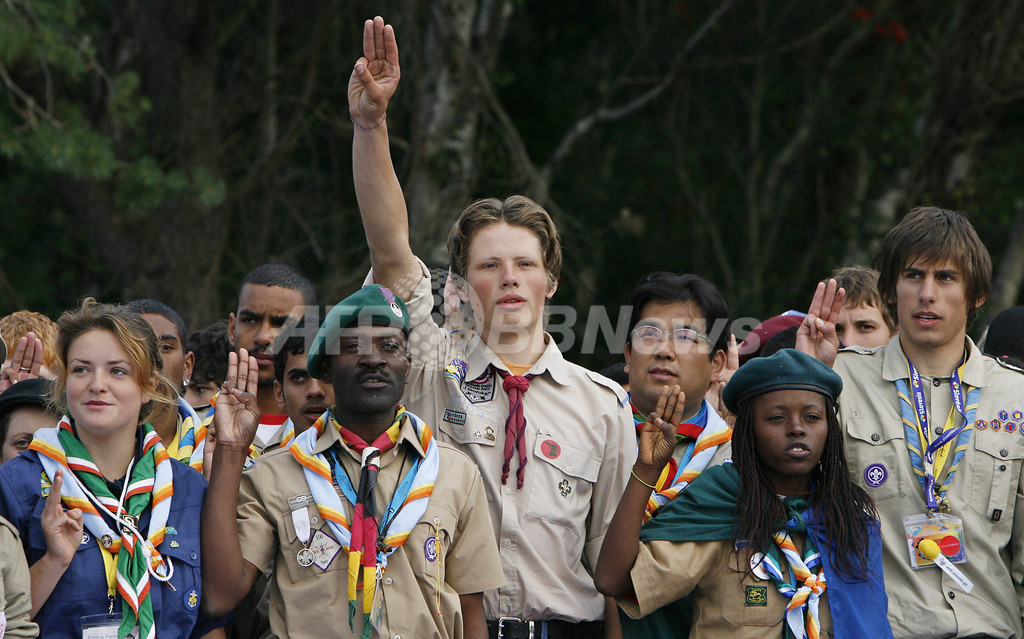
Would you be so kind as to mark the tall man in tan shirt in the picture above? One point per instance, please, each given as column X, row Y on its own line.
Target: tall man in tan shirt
column 553, row 441
column 933, row 433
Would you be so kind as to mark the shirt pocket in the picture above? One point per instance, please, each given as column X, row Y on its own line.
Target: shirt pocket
column 429, row 541
column 179, row 608
column 291, row 546
column 747, row 600
column 873, row 457
column 563, row 483
column 996, row 471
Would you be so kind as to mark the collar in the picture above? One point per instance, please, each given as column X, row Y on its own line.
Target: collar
column 894, row 363
column 479, row 356
column 407, row 434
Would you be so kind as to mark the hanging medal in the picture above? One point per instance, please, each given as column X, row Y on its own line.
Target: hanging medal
column 303, row 530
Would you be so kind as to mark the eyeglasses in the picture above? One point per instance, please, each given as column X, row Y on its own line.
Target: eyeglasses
column 651, row 336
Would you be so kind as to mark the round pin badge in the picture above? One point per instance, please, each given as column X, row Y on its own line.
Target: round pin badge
column 875, row 475
column 305, row 557
column 430, row 549
column 106, row 541
column 550, row 448
column 757, row 566
column 396, row 309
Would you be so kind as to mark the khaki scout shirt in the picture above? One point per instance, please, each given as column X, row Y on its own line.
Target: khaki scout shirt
column 15, row 597
column 728, row 601
column 580, row 443
column 986, row 491
column 312, row 602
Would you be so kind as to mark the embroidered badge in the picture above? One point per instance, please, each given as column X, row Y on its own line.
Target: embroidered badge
column 1018, row 415
column 85, row 540
column 756, row 596
column 1003, row 415
column 981, row 424
column 565, row 488
column 430, row 549
column 44, row 484
column 996, row 424
column 324, row 549
column 480, row 389
column 550, row 448
column 875, row 475
column 456, row 369
column 1010, row 427
column 454, row 417
column 191, row 599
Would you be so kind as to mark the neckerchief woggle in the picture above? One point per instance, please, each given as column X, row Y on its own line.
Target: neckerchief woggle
column 933, row 462
column 404, row 511
column 804, row 582
column 149, row 486
column 676, row 477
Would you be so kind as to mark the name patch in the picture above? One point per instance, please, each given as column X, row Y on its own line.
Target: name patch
column 455, row 417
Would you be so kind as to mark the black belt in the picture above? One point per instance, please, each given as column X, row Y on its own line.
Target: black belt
column 516, row 628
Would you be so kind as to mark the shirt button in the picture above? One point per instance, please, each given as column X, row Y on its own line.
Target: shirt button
column 938, row 430
column 508, row 490
column 1004, row 453
column 937, row 382
column 1002, row 466
column 875, row 437
column 315, row 520
column 569, row 467
column 192, row 555
column 508, row 542
column 951, row 594
column 387, row 581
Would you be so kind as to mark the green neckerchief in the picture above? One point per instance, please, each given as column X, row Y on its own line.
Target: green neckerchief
column 705, row 511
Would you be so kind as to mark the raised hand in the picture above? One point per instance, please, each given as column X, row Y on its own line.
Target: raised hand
column 718, row 382
column 817, row 334
column 237, row 414
column 62, row 529
column 375, row 75
column 658, row 436
column 26, row 362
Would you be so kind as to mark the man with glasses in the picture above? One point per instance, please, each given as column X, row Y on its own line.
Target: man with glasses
column 678, row 337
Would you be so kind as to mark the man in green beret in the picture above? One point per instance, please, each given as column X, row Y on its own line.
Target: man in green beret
column 354, row 509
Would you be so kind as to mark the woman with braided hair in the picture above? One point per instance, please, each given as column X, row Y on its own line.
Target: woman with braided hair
column 778, row 542
column 124, row 556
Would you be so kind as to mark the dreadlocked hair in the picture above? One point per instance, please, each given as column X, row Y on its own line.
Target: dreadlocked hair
column 839, row 505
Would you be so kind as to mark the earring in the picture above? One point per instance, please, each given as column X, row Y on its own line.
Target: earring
column 186, row 382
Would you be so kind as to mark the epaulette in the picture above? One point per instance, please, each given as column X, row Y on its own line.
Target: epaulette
column 609, row 384
column 1007, row 364
column 6, row 524
column 860, row 350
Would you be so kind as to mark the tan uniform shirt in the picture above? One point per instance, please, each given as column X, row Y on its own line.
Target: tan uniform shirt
column 312, row 602
column 580, row 443
column 15, row 593
column 728, row 601
column 986, row 492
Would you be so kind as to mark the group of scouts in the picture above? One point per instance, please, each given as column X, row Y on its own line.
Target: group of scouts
column 462, row 479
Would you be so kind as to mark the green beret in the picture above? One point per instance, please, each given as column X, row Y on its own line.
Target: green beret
column 372, row 305
column 785, row 369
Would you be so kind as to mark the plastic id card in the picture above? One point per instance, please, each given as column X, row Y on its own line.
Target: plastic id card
column 945, row 530
column 104, row 627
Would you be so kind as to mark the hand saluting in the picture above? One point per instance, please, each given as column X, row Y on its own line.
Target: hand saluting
column 236, row 414
column 375, row 75
column 658, row 436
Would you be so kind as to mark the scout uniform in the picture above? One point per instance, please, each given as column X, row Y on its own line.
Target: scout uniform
column 985, row 491
column 83, row 588
column 565, row 476
column 15, row 594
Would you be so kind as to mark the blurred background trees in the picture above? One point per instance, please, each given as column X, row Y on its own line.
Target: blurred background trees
column 163, row 149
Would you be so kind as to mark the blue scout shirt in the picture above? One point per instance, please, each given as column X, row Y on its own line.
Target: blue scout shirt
column 82, row 590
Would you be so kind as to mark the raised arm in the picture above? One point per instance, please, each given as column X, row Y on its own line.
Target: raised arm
column 381, row 203
column 227, row 576
column 621, row 542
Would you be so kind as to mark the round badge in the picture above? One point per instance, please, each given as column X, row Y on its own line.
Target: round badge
column 305, row 557
column 550, row 448
column 396, row 309
column 875, row 475
column 430, row 549
column 757, row 566
column 949, row 545
column 106, row 541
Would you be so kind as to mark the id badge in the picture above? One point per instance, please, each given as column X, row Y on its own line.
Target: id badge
column 104, row 627
column 945, row 530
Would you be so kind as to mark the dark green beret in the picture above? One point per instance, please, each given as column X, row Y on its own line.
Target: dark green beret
column 785, row 369
column 372, row 305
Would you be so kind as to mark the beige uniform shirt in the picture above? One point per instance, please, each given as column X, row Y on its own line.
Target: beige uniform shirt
column 580, row 444
column 728, row 602
column 986, row 492
column 312, row 601
column 15, row 594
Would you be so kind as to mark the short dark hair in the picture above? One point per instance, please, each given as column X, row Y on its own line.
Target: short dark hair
column 293, row 345
column 934, row 235
column 665, row 288
column 284, row 276
column 210, row 347
column 149, row 306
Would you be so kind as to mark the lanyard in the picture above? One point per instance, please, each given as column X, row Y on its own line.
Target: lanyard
column 935, row 461
column 342, row 481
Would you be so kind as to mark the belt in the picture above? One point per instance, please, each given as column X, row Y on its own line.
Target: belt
column 516, row 628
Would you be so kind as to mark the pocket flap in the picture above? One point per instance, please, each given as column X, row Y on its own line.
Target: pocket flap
column 572, row 461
